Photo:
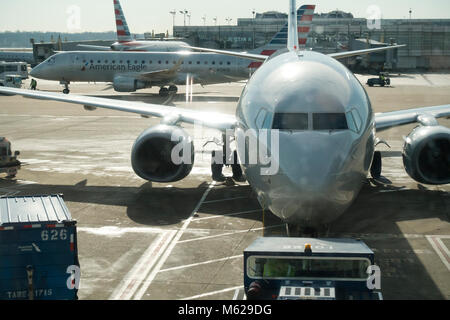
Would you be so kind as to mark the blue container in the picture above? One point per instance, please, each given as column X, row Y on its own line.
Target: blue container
column 38, row 249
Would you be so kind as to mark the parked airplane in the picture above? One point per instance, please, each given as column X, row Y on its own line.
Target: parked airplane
column 125, row 41
column 326, row 128
column 17, row 56
column 131, row 71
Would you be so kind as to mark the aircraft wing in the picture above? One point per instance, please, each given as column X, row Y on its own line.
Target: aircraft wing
column 262, row 58
column 213, row 120
column 160, row 74
column 388, row 120
column 346, row 54
column 100, row 48
column 245, row 55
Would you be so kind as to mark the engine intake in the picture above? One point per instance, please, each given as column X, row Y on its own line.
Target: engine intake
column 426, row 155
column 155, row 157
column 126, row 84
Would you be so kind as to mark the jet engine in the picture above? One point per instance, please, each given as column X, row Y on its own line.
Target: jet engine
column 426, row 155
column 163, row 154
column 127, row 84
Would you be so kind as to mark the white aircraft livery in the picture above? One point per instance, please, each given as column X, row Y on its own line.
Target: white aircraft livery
column 129, row 71
column 324, row 122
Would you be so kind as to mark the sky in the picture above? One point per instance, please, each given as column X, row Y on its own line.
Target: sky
column 147, row 15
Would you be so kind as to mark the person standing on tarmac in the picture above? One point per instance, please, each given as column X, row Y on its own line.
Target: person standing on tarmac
column 33, row 84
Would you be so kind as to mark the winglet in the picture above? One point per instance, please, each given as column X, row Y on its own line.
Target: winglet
column 293, row 44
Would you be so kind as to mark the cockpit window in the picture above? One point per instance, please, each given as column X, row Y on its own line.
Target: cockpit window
column 51, row 60
column 290, row 121
column 329, row 121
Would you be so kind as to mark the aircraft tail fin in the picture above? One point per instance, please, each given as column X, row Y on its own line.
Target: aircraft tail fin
column 304, row 21
column 293, row 43
column 299, row 25
column 123, row 33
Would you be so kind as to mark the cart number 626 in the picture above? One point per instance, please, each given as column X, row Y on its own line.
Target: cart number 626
column 54, row 235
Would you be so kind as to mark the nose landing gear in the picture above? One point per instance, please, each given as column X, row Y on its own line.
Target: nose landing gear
column 66, row 87
column 220, row 159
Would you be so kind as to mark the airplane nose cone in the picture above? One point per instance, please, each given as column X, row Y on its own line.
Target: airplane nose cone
column 315, row 183
column 36, row 72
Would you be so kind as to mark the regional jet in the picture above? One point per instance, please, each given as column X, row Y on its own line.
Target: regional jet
column 125, row 41
column 326, row 134
column 131, row 71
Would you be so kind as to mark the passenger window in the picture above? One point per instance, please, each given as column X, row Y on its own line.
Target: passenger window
column 329, row 121
column 290, row 121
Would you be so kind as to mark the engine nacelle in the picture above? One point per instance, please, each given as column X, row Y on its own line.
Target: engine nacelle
column 426, row 155
column 127, row 84
column 156, row 157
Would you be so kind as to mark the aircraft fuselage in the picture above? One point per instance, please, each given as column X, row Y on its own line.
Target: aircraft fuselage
column 92, row 66
column 326, row 136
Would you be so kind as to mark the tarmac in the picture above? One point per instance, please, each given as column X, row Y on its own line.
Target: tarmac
column 149, row 241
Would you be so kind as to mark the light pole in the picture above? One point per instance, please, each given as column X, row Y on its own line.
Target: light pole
column 173, row 13
column 204, row 20
column 228, row 20
column 184, row 13
column 254, row 15
column 215, row 21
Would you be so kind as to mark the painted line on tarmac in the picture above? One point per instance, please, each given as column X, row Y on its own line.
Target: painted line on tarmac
column 201, row 263
column 172, row 245
column 222, row 235
column 227, row 215
column 212, row 293
column 441, row 249
column 139, row 272
column 223, row 200
column 118, row 232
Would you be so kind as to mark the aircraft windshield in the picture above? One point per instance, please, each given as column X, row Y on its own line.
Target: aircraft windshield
column 310, row 268
column 290, row 121
column 330, row 121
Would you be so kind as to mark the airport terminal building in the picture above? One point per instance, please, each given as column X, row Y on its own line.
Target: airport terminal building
column 428, row 41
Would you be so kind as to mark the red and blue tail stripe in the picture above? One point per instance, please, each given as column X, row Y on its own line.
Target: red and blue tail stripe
column 123, row 33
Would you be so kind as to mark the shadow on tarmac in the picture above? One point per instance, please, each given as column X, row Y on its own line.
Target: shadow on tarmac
column 374, row 217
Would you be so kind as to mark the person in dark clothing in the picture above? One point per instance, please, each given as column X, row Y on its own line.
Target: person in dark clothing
column 33, row 84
